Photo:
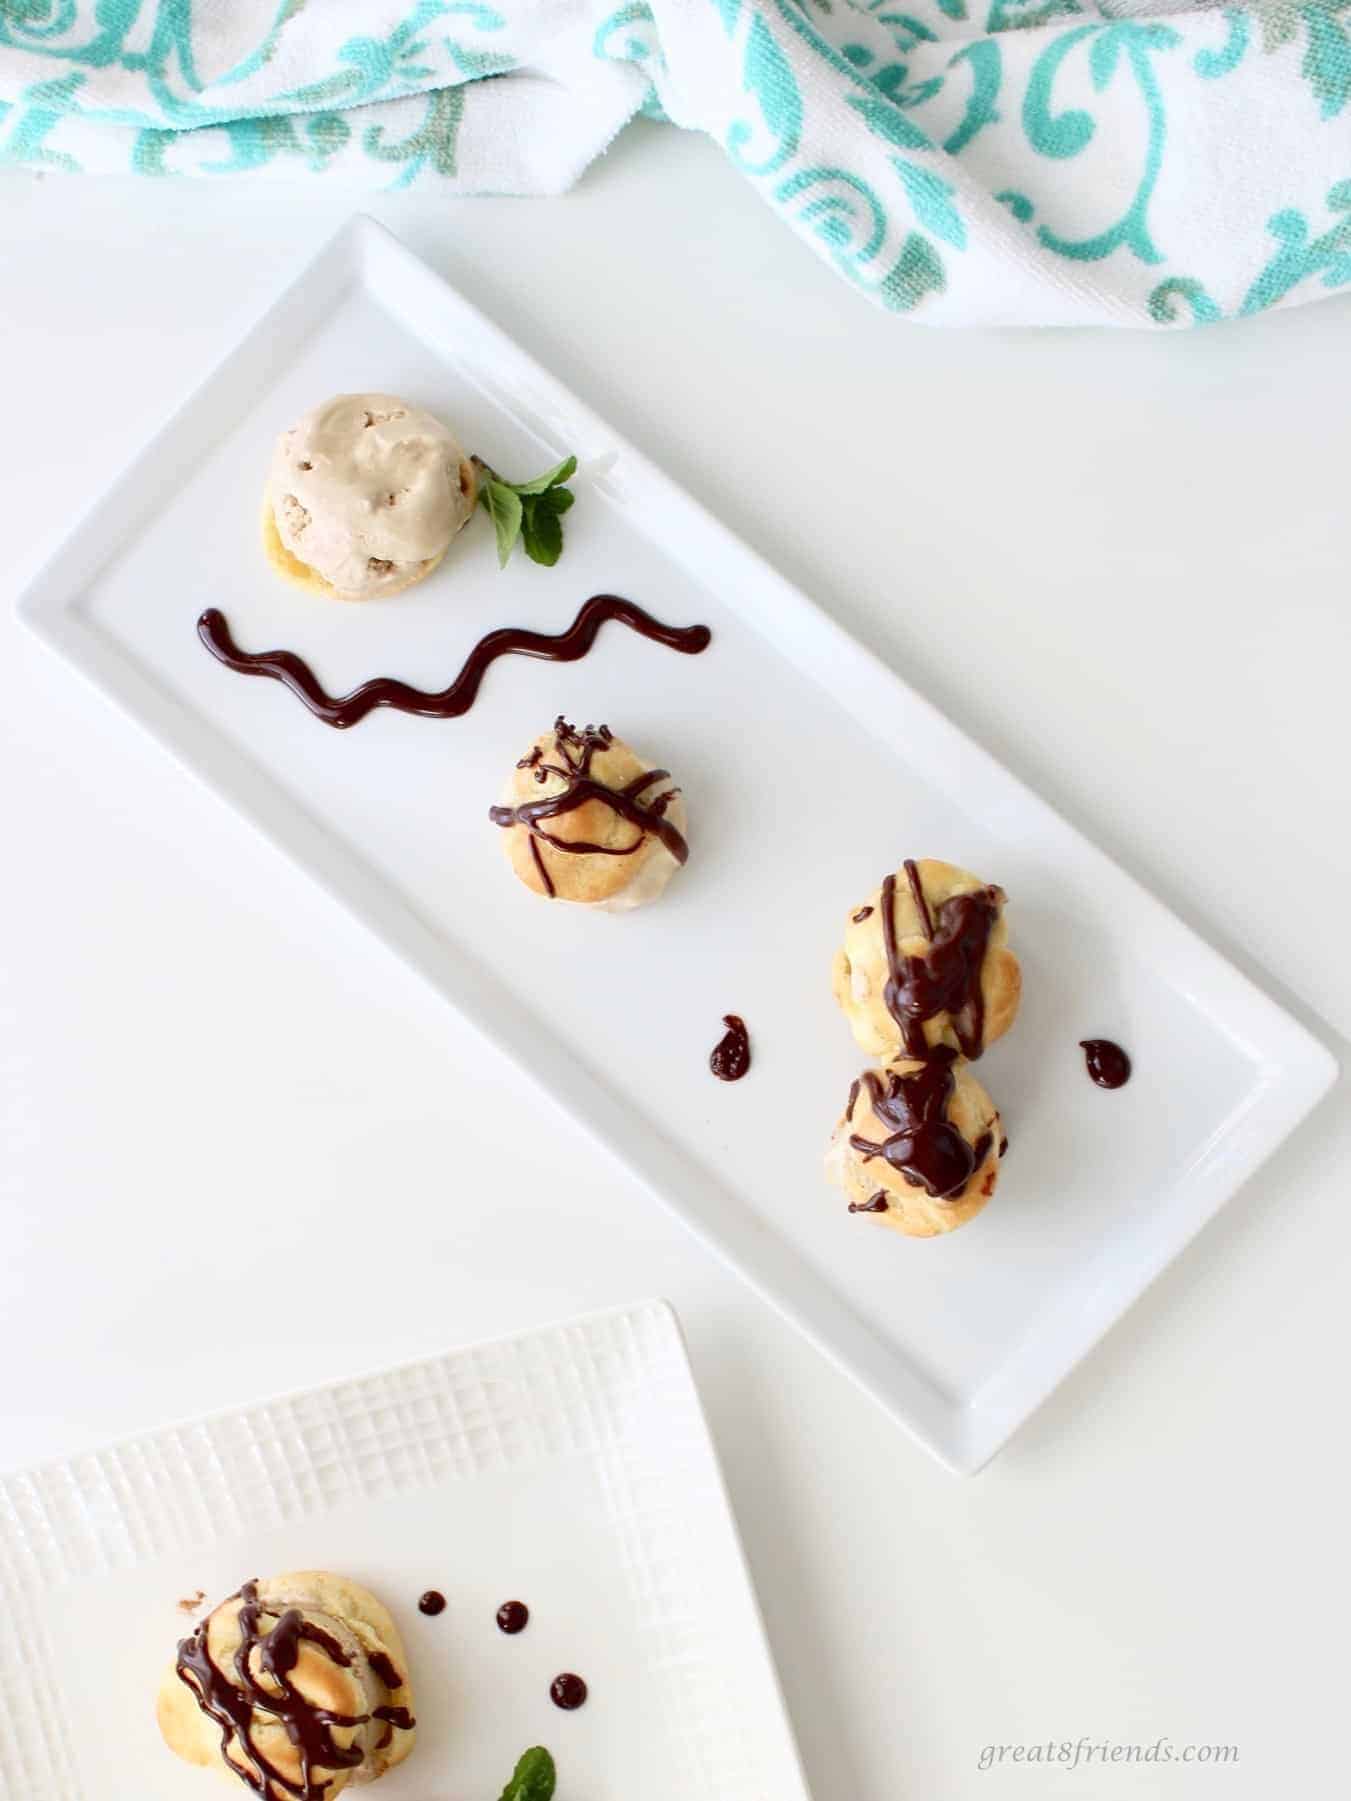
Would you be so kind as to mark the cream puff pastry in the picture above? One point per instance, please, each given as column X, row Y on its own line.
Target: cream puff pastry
column 363, row 497
column 917, row 1147
column 589, row 821
column 925, row 961
column 297, row 1685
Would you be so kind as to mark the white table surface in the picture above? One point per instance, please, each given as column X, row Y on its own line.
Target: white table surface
column 241, row 1149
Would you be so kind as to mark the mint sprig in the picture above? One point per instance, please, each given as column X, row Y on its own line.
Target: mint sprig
column 533, row 1778
column 531, row 511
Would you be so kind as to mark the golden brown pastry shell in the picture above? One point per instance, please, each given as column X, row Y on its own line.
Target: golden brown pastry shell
column 911, row 1209
column 584, row 878
column 859, row 973
column 349, row 1613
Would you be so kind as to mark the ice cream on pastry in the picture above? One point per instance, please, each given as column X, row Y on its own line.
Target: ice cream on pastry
column 917, row 1147
column 925, row 961
column 587, row 820
column 297, row 1685
column 364, row 495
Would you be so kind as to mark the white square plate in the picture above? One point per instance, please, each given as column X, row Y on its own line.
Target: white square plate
column 569, row 1468
column 809, row 769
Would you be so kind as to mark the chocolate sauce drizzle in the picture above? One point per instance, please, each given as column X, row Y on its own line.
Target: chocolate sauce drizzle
column 385, row 1668
column 917, row 895
column 731, row 1056
column 432, row 1603
column 396, row 1716
column 341, row 711
column 233, row 1700
column 1107, row 1063
column 574, row 752
column 513, row 1617
column 946, row 979
column 922, row 1145
column 875, row 1203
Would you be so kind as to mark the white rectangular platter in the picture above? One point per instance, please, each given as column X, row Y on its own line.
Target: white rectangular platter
column 570, row 1468
column 809, row 770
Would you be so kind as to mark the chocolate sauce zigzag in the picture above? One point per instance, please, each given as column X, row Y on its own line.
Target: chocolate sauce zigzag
column 342, row 711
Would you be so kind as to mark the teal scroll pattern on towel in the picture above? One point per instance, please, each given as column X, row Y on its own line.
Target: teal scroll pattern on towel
column 1027, row 15
column 1301, row 257
column 892, row 79
column 432, row 143
column 1212, row 64
column 768, row 76
column 888, row 121
column 1018, row 204
column 470, row 61
column 1327, row 61
column 1166, row 163
column 26, row 124
column 1163, row 302
column 931, row 200
column 1127, row 46
column 986, row 75
column 629, row 35
column 851, row 222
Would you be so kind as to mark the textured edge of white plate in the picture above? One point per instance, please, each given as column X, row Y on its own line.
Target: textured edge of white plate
column 963, row 1437
column 495, row 1405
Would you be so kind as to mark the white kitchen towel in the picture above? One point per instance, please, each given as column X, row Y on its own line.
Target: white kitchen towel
column 965, row 162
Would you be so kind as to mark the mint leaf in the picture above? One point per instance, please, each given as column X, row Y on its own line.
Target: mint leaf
column 541, row 532
column 504, row 509
column 533, row 1778
column 526, row 510
column 550, row 479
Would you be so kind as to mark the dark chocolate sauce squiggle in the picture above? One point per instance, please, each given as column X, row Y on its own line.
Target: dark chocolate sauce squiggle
column 345, row 710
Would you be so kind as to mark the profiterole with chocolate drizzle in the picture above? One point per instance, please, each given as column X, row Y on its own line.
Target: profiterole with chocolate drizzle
column 926, row 979
column 588, row 820
column 297, row 1685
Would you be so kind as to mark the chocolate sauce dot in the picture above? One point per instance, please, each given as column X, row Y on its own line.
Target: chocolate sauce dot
column 1108, row 1064
column 567, row 1691
column 513, row 1616
column 432, row 1602
column 731, row 1056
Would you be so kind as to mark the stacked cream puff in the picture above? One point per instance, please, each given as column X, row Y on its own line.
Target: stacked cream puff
column 926, row 980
